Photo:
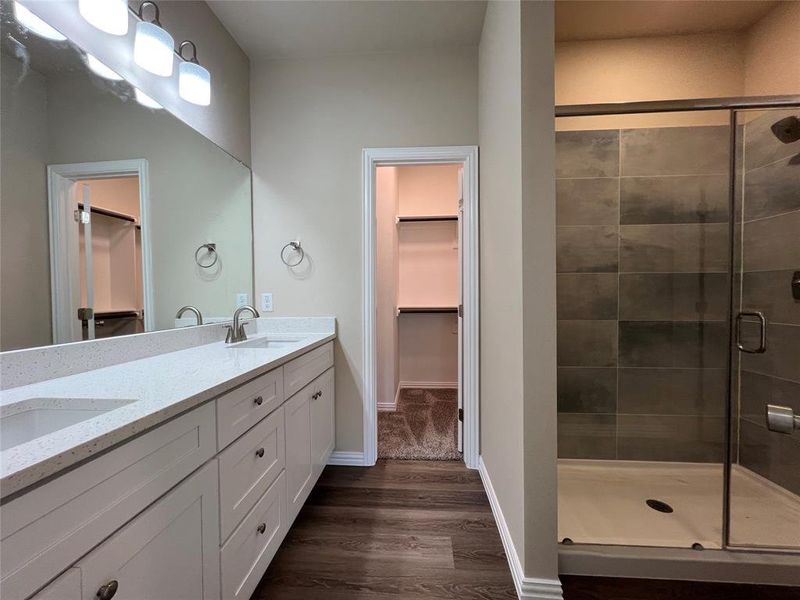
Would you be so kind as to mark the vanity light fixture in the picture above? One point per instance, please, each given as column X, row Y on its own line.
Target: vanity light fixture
column 146, row 100
column 101, row 69
column 35, row 25
column 194, row 81
column 110, row 16
column 153, row 47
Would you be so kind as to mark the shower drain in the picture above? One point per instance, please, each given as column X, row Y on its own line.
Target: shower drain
column 659, row 506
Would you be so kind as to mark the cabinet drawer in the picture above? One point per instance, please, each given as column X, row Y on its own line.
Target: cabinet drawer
column 248, row 552
column 248, row 467
column 243, row 407
column 45, row 530
column 300, row 371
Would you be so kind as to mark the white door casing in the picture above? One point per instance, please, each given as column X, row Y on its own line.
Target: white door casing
column 467, row 156
column 62, row 202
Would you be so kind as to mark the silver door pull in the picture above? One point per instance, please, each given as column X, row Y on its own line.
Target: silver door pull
column 762, row 340
column 782, row 419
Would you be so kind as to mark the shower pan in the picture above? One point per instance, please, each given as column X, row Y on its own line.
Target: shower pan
column 678, row 259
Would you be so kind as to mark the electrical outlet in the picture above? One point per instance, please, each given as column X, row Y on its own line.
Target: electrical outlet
column 242, row 299
column 266, row 302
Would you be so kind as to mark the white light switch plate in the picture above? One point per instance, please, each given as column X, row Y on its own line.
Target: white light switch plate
column 242, row 298
column 266, row 302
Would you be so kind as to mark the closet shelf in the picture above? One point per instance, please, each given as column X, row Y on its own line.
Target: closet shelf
column 110, row 213
column 424, row 218
column 427, row 309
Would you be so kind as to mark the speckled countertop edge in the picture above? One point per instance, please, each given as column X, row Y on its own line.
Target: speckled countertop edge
column 161, row 386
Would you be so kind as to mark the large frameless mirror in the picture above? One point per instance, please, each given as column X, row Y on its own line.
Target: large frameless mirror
column 114, row 213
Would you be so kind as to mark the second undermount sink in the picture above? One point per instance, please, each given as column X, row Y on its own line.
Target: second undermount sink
column 33, row 418
column 269, row 342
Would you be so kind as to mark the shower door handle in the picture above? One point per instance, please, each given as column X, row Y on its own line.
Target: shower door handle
column 762, row 338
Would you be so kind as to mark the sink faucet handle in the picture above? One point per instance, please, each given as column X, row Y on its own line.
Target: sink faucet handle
column 228, row 334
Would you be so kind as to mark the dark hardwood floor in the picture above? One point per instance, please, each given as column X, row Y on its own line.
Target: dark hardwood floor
column 401, row 529
column 422, row 529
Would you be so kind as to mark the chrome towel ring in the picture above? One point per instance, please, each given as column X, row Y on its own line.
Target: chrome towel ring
column 211, row 250
column 298, row 249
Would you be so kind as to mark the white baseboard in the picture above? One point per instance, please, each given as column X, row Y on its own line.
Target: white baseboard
column 528, row 588
column 347, row 459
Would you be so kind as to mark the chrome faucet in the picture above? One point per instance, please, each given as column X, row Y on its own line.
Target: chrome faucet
column 190, row 308
column 236, row 332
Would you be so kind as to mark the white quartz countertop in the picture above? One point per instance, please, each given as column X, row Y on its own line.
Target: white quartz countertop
column 159, row 387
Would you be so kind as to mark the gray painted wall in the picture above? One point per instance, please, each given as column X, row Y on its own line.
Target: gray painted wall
column 311, row 120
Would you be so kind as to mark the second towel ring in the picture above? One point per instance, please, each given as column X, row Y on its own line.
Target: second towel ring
column 211, row 249
column 297, row 248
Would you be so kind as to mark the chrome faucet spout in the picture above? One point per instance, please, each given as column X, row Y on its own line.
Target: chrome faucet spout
column 192, row 309
column 236, row 332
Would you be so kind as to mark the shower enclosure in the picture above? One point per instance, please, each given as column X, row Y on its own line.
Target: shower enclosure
column 678, row 259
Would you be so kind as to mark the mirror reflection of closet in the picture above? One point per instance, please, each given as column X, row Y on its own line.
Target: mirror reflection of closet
column 117, row 295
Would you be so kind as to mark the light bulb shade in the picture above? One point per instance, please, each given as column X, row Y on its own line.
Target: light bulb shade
column 146, row 100
column 101, row 69
column 194, row 83
column 35, row 25
column 110, row 16
column 153, row 49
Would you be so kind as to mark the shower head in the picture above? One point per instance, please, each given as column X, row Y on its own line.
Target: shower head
column 787, row 130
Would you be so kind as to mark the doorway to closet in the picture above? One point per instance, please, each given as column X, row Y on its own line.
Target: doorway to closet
column 418, row 294
column 421, row 304
column 99, row 249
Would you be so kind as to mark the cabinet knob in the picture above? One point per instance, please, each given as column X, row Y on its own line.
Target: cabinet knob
column 260, row 453
column 108, row 591
column 258, row 400
column 261, row 528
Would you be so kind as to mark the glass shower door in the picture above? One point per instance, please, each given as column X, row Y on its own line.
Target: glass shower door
column 764, row 477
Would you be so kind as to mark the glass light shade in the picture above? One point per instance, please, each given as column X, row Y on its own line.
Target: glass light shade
column 35, row 25
column 153, row 49
column 146, row 100
column 194, row 83
column 99, row 68
column 110, row 16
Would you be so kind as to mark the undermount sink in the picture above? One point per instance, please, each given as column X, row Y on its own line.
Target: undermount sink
column 27, row 420
column 267, row 342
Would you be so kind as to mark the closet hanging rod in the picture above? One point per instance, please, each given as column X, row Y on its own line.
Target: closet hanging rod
column 423, row 218
column 427, row 309
column 109, row 213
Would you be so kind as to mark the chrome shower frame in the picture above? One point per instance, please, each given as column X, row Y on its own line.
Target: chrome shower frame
column 628, row 561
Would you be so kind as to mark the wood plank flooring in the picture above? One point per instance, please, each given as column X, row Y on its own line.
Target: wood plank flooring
column 424, row 530
column 401, row 529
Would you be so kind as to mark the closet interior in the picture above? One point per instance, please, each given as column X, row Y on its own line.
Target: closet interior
column 117, row 296
column 418, row 291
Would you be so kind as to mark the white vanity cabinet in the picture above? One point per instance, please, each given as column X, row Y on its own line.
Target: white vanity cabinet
column 193, row 509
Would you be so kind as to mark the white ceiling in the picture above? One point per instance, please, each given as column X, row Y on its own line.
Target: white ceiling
column 313, row 28
column 610, row 19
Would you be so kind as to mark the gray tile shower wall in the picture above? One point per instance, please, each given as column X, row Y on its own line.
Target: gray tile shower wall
column 642, row 260
column 770, row 246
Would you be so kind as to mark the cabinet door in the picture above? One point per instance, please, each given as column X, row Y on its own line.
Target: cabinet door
column 297, row 413
column 170, row 551
column 322, row 421
column 66, row 587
